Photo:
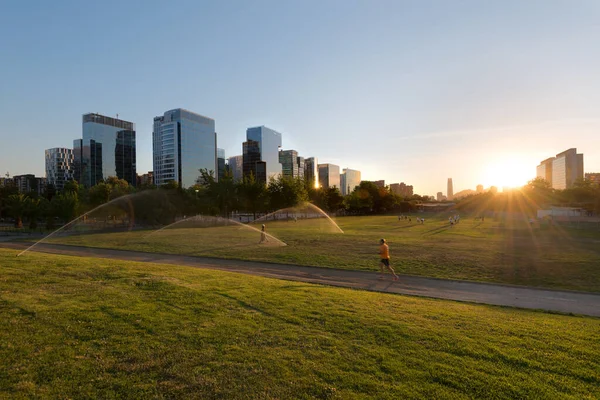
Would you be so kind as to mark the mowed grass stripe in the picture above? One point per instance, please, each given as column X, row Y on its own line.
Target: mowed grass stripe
column 89, row 328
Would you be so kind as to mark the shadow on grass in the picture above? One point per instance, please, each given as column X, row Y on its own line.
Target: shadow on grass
column 247, row 306
column 436, row 231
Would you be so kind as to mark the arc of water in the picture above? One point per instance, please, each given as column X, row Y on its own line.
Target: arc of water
column 220, row 219
column 309, row 205
column 122, row 198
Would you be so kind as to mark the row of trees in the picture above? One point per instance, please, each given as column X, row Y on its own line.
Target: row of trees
column 168, row 202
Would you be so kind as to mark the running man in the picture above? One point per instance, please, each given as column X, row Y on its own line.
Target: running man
column 384, row 253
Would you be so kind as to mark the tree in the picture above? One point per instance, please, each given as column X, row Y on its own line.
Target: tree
column 32, row 210
column 253, row 194
column 335, row 200
column 286, row 192
column 99, row 194
column 222, row 194
column 17, row 207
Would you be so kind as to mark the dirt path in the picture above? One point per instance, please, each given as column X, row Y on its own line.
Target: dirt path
column 502, row 295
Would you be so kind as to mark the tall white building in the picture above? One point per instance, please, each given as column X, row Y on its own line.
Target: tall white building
column 562, row 171
column 567, row 167
column 183, row 142
column 59, row 166
column 349, row 179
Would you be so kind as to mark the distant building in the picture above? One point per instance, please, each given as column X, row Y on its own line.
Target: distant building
column 220, row 163
column 77, row 160
column 544, row 170
column 301, row 167
column 401, row 189
column 329, row 175
column 379, row 184
column 289, row 163
column 6, row 181
column 349, row 180
column 562, row 171
column 311, row 171
column 440, row 196
column 145, row 179
column 450, row 190
column 108, row 149
column 479, row 189
column 29, row 183
column 593, row 177
column 567, row 167
column 183, row 143
column 235, row 164
column 59, row 166
column 261, row 153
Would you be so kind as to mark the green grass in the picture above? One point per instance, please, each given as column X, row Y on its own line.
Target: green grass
column 88, row 328
column 492, row 251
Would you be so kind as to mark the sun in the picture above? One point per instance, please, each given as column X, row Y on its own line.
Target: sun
column 507, row 174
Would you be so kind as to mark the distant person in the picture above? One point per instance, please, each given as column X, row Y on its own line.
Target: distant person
column 263, row 235
column 384, row 254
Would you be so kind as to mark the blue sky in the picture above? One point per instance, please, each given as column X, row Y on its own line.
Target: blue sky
column 412, row 91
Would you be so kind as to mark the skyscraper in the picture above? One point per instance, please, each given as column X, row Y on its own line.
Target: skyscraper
column 289, row 163
column 349, row 179
column 311, row 171
column 329, row 175
column 266, row 147
column 450, row 190
column 252, row 164
column 300, row 162
column 220, row 163
column 108, row 149
column 183, row 143
column 77, row 159
column 59, row 166
column 235, row 164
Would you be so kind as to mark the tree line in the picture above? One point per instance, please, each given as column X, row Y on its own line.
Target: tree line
column 537, row 194
column 164, row 204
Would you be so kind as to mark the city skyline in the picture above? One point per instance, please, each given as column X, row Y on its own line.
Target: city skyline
column 479, row 92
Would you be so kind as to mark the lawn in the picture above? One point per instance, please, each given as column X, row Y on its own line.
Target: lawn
column 89, row 328
column 493, row 251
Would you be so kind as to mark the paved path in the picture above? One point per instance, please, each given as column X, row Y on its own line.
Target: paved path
column 503, row 295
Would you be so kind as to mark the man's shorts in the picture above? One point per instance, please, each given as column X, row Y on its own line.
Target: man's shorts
column 385, row 261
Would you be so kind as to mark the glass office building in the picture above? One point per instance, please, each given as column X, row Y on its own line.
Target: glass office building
column 221, row 163
column 183, row 143
column 311, row 171
column 349, row 180
column 289, row 163
column 269, row 142
column 329, row 175
column 252, row 165
column 107, row 149
column 235, row 165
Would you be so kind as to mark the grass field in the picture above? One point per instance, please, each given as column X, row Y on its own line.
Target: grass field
column 88, row 328
column 492, row 251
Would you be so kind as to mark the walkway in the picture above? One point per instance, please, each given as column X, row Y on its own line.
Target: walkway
column 502, row 295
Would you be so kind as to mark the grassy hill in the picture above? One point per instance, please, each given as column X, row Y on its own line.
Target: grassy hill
column 89, row 328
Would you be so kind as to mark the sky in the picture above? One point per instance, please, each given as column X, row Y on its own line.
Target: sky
column 406, row 91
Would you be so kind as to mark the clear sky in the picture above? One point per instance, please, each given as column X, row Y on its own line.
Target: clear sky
column 412, row 91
